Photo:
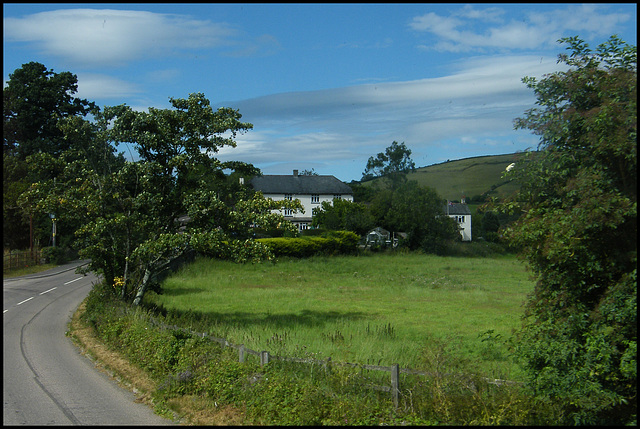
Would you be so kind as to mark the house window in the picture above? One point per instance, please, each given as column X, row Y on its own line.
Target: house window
column 460, row 219
column 288, row 212
column 288, row 197
column 315, row 198
column 337, row 197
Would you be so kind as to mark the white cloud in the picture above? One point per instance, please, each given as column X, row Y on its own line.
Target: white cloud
column 113, row 37
column 471, row 109
column 92, row 86
column 490, row 14
column 494, row 79
column 459, row 32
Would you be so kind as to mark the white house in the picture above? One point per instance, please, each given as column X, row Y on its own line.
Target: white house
column 461, row 213
column 310, row 190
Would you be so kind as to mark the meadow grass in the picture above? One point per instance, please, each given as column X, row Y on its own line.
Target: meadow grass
column 420, row 311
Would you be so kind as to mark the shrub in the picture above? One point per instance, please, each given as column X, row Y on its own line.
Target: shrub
column 54, row 255
column 330, row 243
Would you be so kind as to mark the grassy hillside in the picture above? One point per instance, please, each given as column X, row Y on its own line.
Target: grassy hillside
column 468, row 177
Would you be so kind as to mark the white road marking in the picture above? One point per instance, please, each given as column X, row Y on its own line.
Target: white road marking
column 42, row 293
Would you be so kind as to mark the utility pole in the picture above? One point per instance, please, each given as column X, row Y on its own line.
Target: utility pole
column 53, row 218
column 31, row 235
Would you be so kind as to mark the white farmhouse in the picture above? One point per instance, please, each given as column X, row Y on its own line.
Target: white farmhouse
column 462, row 214
column 310, row 190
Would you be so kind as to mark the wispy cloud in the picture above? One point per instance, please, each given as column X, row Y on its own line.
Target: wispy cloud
column 474, row 106
column 456, row 32
column 104, row 37
column 93, row 85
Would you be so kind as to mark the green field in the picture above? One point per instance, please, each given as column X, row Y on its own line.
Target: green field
column 468, row 177
column 376, row 309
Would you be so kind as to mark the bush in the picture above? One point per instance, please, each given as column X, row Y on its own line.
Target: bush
column 54, row 255
column 330, row 243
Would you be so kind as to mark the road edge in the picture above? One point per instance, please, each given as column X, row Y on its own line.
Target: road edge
column 119, row 369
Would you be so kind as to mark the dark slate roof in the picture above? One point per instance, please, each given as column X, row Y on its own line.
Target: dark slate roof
column 290, row 184
column 457, row 209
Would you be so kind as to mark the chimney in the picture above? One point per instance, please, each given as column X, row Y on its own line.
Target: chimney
column 295, row 173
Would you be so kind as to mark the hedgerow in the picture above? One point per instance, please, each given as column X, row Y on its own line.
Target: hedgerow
column 330, row 243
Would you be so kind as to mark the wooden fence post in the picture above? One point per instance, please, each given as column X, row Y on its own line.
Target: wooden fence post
column 395, row 384
column 241, row 352
column 264, row 358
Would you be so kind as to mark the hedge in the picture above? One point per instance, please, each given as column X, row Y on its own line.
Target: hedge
column 330, row 243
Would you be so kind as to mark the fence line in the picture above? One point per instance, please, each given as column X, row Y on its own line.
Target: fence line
column 265, row 357
column 21, row 259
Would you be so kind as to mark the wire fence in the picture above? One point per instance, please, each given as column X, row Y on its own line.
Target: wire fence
column 392, row 386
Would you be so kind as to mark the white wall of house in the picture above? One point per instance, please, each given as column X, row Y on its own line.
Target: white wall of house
column 464, row 222
column 309, row 202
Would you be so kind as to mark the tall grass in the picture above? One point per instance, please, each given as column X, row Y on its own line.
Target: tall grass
column 377, row 309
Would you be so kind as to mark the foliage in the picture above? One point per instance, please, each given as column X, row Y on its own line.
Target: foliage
column 343, row 215
column 35, row 101
column 311, row 172
column 418, row 211
column 54, row 255
column 394, row 163
column 136, row 220
column 333, row 243
column 579, row 234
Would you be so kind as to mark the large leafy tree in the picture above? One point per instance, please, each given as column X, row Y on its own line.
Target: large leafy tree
column 137, row 219
column 578, row 233
column 419, row 211
column 34, row 101
column 393, row 164
column 343, row 215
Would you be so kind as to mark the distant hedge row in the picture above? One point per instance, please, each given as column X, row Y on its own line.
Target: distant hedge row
column 330, row 243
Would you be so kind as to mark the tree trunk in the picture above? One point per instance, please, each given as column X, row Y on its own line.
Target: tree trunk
column 125, row 280
column 143, row 287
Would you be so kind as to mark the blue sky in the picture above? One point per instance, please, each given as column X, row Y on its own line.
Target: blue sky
column 325, row 86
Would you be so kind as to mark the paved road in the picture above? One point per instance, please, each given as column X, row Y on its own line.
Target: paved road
column 46, row 381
